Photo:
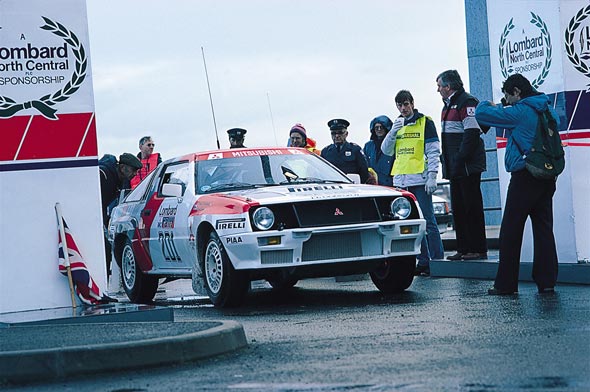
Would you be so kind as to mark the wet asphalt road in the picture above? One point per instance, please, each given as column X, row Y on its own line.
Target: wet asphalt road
column 444, row 334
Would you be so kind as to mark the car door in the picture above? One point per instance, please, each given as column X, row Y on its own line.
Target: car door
column 170, row 231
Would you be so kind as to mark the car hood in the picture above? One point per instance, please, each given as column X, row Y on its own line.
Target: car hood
column 308, row 192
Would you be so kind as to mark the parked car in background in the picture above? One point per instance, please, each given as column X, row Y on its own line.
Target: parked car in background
column 224, row 218
column 442, row 213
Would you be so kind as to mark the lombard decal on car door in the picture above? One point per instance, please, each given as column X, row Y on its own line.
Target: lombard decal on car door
column 170, row 231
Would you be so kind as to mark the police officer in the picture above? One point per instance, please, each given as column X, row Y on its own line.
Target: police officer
column 236, row 137
column 348, row 157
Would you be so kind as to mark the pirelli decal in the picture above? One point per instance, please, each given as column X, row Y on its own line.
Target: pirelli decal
column 228, row 224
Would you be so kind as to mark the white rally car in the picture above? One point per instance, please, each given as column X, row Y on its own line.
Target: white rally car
column 227, row 217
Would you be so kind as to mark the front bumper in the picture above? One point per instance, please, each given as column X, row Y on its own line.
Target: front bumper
column 330, row 244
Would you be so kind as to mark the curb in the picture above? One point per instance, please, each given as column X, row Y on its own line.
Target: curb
column 212, row 338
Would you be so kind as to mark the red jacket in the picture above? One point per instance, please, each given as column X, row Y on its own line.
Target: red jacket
column 149, row 164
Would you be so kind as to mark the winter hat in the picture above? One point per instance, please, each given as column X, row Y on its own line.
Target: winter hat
column 300, row 130
column 130, row 160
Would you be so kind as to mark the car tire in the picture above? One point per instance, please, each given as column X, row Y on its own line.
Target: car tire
column 140, row 288
column 226, row 287
column 395, row 274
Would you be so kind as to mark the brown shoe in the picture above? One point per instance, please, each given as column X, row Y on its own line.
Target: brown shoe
column 457, row 256
column 475, row 256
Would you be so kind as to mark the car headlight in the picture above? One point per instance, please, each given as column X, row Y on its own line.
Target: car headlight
column 263, row 218
column 439, row 208
column 401, row 208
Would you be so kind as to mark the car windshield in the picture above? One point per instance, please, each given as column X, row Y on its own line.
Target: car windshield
column 218, row 175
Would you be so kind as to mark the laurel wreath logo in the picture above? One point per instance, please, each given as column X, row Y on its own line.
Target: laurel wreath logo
column 538, row 22
column 569, row 42
column 8, row 107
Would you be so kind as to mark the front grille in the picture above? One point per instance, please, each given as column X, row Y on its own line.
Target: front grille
column 337, row 212
column 332, row 246
column 406, row 245
column 276, row 256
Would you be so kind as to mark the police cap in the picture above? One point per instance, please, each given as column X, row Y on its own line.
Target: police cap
column 237, row 133
column 130, row 160
column 337, row 124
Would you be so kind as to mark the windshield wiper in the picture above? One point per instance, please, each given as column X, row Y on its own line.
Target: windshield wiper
column 234, row 185
column 309, row 180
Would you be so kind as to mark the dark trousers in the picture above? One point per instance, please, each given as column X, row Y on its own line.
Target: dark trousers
column 467, row 204
column 527, row 197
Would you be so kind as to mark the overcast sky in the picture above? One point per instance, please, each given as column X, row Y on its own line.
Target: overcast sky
column 311, row 60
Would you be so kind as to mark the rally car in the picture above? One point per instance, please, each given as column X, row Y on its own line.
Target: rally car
column 227, row 217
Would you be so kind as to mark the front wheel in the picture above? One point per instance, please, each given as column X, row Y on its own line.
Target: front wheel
column 395, row 274
column 140, row 288
column 226, row 287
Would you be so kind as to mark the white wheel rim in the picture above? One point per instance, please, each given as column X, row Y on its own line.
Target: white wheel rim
column 128, row 267
column 213, row 267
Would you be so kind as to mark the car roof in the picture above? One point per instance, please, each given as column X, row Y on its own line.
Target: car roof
column 238, row 153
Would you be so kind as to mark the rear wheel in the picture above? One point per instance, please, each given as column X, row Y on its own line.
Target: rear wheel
column 225, row 285
column 395, row 274
column 140, row 287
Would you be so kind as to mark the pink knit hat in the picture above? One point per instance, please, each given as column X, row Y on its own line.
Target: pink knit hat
column 300, row 130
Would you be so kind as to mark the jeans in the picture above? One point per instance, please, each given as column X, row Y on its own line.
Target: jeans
column 431, row 247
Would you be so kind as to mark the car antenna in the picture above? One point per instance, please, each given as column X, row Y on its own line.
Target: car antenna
column 210, row 99
column 272, row 121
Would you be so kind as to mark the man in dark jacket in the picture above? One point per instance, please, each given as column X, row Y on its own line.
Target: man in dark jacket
column 527, row 196
column 463, row 160
column 348, row 157
column 114, row 176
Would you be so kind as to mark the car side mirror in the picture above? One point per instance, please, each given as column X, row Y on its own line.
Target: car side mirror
column 354, row 177
column 172, row 190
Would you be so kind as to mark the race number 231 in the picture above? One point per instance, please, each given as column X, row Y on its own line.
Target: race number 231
column 166, row 240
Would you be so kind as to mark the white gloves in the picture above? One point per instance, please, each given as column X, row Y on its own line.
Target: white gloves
column 398, row 123
column 430, row 186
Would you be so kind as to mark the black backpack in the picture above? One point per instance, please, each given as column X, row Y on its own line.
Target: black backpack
column 546, row 158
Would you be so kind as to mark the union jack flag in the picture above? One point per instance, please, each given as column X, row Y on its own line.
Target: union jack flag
column 86, row 288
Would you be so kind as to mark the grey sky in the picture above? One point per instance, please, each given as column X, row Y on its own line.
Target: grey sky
column 316, row 60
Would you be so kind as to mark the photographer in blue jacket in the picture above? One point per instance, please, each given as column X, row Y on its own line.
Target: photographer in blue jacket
column 516, row 119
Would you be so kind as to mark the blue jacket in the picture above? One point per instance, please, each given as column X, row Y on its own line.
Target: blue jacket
column 517, row 122
column 380, row 162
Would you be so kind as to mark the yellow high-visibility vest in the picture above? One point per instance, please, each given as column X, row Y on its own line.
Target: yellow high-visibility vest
column 409, row 149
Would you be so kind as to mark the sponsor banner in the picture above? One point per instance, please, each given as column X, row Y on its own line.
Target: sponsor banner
column 49, row 150
column 46, row 97
column 549, row 43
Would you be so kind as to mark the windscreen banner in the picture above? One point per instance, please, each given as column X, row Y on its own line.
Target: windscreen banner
column 49, row 150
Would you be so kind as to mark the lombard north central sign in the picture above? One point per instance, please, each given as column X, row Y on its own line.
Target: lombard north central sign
column 526, row 49
column 49, row 150
column 29, row 64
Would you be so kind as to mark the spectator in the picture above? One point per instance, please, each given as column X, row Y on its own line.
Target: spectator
column 114, row 177
column 463, row 160
column 236, row 137
column 298, row 138
column 527, row 196
column 414, row 143
column 379, row 162
column 149, row 159
column 348, row 157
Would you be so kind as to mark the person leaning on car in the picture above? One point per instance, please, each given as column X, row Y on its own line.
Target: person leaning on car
column 348, row 157
column 414, row 143
column 114, row 176
column 149, row 160
column 463, row 160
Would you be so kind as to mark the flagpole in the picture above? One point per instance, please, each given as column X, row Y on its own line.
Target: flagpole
column 64, row 247
column 272, row 120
